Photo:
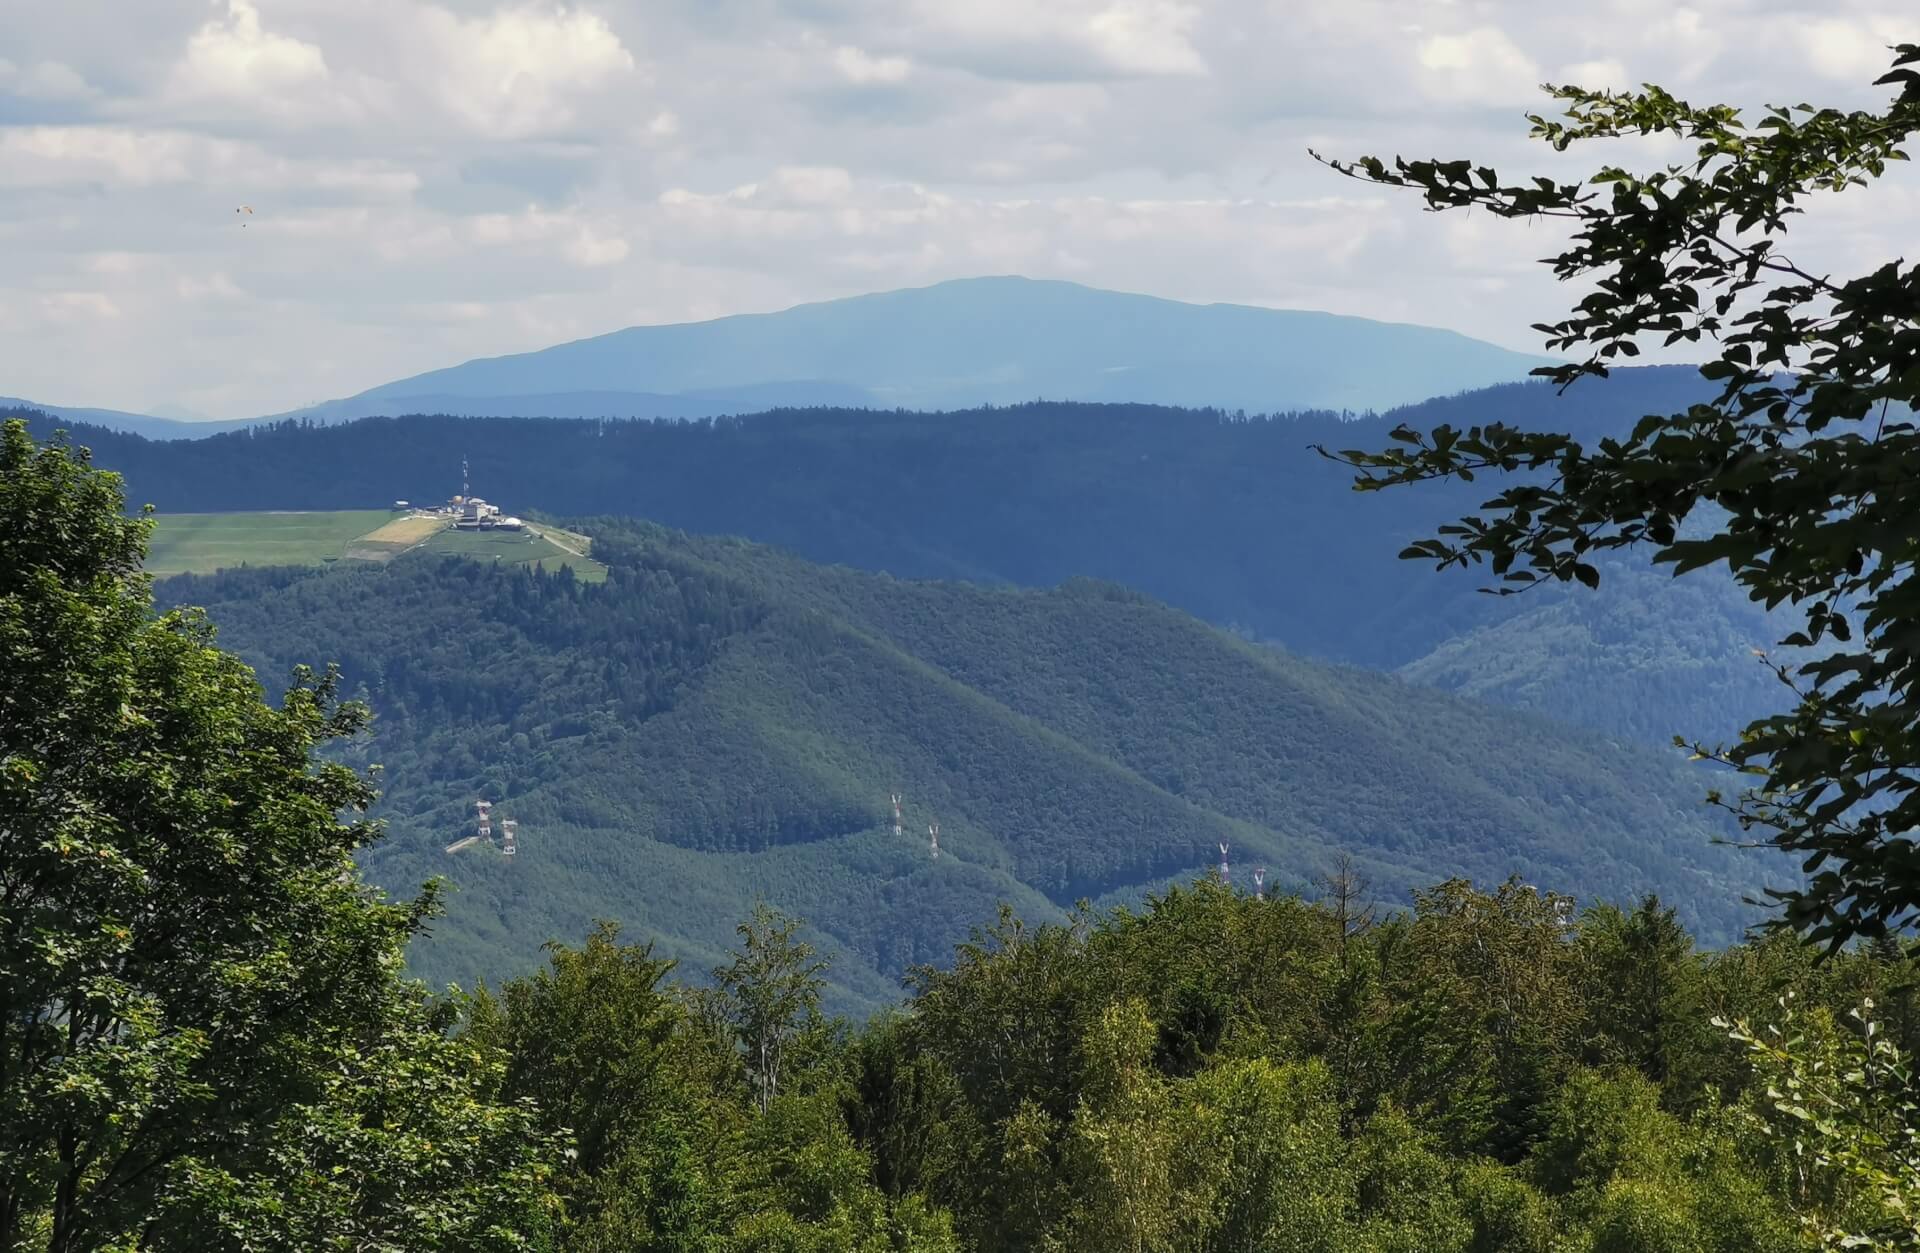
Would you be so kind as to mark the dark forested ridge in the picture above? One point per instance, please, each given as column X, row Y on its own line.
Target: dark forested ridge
column 714, row 698
column 1234, row 519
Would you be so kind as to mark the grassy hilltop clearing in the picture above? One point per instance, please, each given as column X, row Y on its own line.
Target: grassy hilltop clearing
column 202, row 543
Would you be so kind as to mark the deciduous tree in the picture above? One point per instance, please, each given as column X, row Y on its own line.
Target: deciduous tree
column 200, row 1003
column 1796, row 471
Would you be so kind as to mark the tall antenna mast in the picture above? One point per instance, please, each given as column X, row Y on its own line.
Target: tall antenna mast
column 896, row 814
column 1259, row 883
column 933, row 839
column 1224, row 875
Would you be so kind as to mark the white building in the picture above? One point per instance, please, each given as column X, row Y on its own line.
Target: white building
column 475, row 512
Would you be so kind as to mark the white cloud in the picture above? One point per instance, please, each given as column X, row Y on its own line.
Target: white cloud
column 1603, row 74
column 811, row 185
column 45, row 80
column 219, row 171
column 520, row 71
column 592, row 249
column 1234, row 248
column 1066, row 38
column 440, row 179
column 216, row 286
column 1148, row 37
column 569, row 235
column 857, row 66
column 235, row 57
column 83, row 307
column 1482, row 66
column 1857, row 50
column 67, row 156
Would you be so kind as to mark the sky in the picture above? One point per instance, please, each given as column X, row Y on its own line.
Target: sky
column 434, row 181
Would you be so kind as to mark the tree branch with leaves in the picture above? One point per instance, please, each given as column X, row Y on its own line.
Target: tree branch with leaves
column 1796, row 471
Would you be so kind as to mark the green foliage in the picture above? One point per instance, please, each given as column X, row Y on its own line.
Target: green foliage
column 588, row 1037
column 713, row 698
column 1030, row 1089
column 770, row 997
column 399, row 1148
column 1790, row 473
column 682, row 1147
column 1842, row 1100
column 1644, row 999
column 203, row 1033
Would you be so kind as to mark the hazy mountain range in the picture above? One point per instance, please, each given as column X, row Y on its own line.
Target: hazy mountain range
column 954, row 345
column 146, row 424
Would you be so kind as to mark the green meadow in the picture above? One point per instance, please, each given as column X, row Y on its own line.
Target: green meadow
column 544, row 547
column 201, row 543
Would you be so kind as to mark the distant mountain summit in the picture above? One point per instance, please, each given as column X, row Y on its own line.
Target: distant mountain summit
column 961, row 344
column 954, row 345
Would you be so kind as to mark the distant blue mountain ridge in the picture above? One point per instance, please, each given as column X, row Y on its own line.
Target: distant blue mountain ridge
column 954, row 345
column 133, row 423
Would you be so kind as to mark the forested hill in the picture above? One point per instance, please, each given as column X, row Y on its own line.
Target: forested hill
column 718, row 722
column 1236, row 520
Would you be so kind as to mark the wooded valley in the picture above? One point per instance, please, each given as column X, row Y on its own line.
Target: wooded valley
column 718, row 723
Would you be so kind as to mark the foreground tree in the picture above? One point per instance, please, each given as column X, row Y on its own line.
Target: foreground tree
column 771, row 998
column 1842, row 1102
column 199, row 1001
column 603, row 1049
column 1796, row 471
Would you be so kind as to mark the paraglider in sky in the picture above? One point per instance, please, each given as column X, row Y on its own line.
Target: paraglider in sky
column 246, row 211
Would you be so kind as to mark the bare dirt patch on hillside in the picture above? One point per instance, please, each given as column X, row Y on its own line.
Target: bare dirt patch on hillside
column 387, row 542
